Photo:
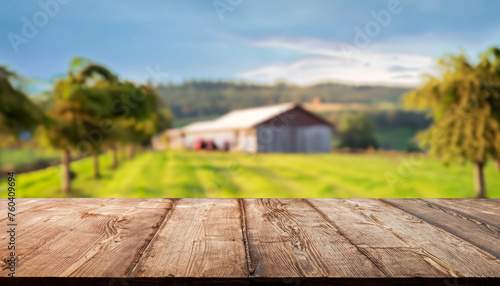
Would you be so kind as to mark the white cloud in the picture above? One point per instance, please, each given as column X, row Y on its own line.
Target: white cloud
column 333, row 61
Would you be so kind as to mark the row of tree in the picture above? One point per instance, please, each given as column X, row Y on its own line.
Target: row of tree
column 87, row 112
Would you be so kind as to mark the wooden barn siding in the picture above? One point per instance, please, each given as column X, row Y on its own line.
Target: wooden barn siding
column 294, row 139
column 295, row 131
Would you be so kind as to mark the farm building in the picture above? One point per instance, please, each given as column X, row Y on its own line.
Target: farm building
column 283, row 128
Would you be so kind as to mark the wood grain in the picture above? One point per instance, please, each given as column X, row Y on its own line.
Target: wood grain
column 288, row 238
column 189, row 281
column 39, row 220
column 24, row 205
column 395, row 256
column 202, row 238
column 465, row 259
column 91, row 241
column 481, row 211
column 483, row 236
column 255, row 241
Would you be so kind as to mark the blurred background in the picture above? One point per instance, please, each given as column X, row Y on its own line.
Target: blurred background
column 236, row 98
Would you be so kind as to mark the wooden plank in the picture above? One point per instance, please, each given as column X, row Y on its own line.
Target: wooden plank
column 39, row 220
column 202, row 241
column 104, row 242
column 465, row 259
column 24, row 205
column 201, row 238
column 481, row 211
column 393, row 255
column 483, row 236
column 187, row 281
column 288, row 238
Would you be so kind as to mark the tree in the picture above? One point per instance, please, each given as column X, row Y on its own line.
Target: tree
column 97, row 81
column 17, row 112
column 357, row 131
column 77, row 106
column 462, row 106
column 143, row 114
column 137, row 114
column 125, row 111
column 489, row 68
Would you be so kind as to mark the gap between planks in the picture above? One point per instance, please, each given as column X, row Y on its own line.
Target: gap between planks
column 445, row 229
column 243, row 218
column 341, row 232
column 163, row 220
column 464, row 213
column 245, row 237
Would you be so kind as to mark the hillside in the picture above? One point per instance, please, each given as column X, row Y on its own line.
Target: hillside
column 202, row 99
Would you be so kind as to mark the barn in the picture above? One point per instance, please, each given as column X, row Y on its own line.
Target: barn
column 283, row 128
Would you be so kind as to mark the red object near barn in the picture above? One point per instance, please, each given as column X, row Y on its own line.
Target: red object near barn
column 199, row 144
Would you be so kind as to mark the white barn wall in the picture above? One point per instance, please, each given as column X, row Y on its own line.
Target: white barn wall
column 247, row 141
column 176, row 142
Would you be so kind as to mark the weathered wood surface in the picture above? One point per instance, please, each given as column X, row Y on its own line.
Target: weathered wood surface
column 254, row 241
column 202, row 238
column 484, row 211
column 483, row 236
column 84, row 237
column 288, row 238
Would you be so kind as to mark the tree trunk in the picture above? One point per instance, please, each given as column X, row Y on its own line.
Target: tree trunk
column 95, row 156
column 114, row 154
column 479, row 180
column 65, row 172
column 497, row 164
column 131, row 151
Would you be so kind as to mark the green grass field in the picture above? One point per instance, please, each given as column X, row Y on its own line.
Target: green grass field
column 17, row 158
column 188, row 174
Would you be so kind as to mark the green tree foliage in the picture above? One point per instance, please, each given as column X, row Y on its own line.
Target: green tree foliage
column 17, row 112
column 462, row 101
column 93, row 111
column 97, row 80
column 139, row 114
column 489, row 68
column 77, row 106
column 357, row 131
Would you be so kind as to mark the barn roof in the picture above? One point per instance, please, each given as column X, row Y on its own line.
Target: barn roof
column 241, row 118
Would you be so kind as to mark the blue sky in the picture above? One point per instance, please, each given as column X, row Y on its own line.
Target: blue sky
column 363, row 42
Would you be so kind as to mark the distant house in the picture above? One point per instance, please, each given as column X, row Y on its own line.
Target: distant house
column 283, row 128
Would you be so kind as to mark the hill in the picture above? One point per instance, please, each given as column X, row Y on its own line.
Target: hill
column 202, row 99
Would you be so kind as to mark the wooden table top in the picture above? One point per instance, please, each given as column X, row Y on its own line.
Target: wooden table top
column 252, row 241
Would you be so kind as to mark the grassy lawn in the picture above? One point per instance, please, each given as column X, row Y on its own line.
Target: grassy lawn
column 188, row 174
column 20, row 158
